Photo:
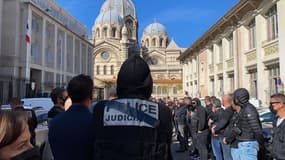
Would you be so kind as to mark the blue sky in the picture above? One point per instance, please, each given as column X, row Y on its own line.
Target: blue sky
column 185, row 20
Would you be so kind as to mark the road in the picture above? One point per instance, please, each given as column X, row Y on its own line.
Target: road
column 178, row 156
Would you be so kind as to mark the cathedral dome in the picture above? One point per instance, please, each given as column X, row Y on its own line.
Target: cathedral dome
column 111, row 17
column 155, row 29
column 123, row 7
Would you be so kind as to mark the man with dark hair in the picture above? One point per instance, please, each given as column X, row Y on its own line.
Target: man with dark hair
column 71, row 133
column 277, row 105
column 131, row 127
column 17, row 105
column 57, row 98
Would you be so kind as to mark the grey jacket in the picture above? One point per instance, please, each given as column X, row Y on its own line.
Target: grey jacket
column 278, row 144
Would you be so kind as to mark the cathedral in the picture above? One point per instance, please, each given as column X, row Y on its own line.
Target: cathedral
column 115, row 36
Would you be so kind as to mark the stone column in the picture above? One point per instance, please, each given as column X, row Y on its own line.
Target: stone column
column 262, row 74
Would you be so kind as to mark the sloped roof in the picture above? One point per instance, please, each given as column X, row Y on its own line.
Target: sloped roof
column 172, row 46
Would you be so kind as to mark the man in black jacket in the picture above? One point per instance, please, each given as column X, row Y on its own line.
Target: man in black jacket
column 199, row 128
column 277, row 103
column 71, row 133
column 58, row 100
column 247, row 127
column 132, row 127
column 222, row 124
column 216, row 141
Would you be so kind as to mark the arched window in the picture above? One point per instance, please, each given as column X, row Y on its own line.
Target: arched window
column 98, row 32
column 105, row 32
column 174, row 90
column 98, row 70
column 112, row 69
column 129, row 25
column 158, row 90
column 147, row 42
column 160, row 42
column 105, row 70
column 153, row 42
column 114, row 30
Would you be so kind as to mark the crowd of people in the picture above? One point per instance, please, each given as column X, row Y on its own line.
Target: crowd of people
column 130, row 125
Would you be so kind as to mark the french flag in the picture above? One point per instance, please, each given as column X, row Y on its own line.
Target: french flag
column 28, row 33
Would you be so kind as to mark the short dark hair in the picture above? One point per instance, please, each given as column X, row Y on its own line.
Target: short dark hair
column 56, row 93
column 208, row 98
column 80, row 88
column 279, row 96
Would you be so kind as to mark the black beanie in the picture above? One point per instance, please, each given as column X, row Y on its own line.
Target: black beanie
column 134, row 79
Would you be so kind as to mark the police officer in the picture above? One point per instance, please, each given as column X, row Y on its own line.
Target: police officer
column 199, row 128
column 277, row 104
column 131, row 127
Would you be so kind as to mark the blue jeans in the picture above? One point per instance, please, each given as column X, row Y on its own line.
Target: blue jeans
column 245, row 151
column 226, row 151
column 217, row 147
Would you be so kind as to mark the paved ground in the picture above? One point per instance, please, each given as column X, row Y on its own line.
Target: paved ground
column 178, row 156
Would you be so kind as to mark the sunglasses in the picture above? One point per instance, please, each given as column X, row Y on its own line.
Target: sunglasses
column 271, row 103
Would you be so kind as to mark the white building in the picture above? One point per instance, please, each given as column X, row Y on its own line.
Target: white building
column 59, row 48
column 245, row 48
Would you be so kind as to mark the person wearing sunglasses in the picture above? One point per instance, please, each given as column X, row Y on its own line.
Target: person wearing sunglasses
column 277, row 103
column 199, row 129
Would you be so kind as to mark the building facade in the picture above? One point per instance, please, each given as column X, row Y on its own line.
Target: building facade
column 58, row 48
column 245, row 48
column 115, row 36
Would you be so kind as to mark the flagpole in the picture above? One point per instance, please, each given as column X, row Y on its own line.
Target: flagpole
column 28, row 52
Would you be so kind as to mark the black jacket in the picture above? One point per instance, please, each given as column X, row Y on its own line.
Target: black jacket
column 248, row 120
column 278, row 143
column 225, row 121
column 217, row 117
column 120, row 130
column 199, row 118
column 54, row 111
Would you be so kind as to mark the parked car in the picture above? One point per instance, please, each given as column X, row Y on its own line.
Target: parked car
column 42, row 127
column 45, row 103
column 5, row 106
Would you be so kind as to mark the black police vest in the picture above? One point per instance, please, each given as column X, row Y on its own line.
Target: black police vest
column 126, row 129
